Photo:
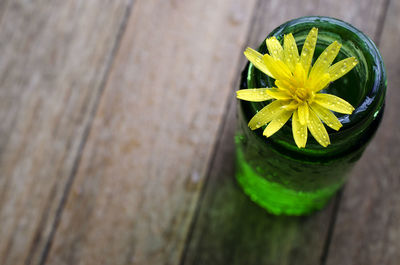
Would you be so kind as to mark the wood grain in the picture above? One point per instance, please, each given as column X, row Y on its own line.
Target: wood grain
column 230, row 229
column 368, row 224
column 144, row 163
column 54, row 55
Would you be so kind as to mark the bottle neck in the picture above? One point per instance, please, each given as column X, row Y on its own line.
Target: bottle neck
column 364, row 87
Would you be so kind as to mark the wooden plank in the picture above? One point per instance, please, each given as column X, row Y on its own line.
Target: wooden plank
column 145, row 160
column 368, row 224
column 54, row 55
column 230, row 229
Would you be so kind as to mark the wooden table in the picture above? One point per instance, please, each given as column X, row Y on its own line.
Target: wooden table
column 116, row 138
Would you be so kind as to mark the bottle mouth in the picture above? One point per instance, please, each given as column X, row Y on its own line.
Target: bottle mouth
column 364, row 86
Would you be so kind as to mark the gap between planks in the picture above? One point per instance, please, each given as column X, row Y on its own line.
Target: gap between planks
column 86, row 133
column 377, row 40
column 218, row 140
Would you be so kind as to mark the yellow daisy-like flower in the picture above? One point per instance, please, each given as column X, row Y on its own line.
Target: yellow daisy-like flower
column 297, row 86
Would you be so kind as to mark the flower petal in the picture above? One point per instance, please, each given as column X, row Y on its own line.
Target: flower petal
column 299, row 76
column 277, row 123
column 266, row 114
column 317, row 83
column 325, row 60
column 274, row 47
column 256, row 58
column 299, row 131
column 253, row 94
column 307, row 52
column 277, row 68
column 291, row 106
column 333, row 103
column 303, row 113
column 326, row 116
column 317, row 129
column 291, row 54
column 284, row 85
column 341, row 68
column 279, row 93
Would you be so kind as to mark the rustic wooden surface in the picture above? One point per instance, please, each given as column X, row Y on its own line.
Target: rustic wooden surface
column 116, row 146
column 54, row 57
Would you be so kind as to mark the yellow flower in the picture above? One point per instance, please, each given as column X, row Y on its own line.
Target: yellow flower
column 297, row 86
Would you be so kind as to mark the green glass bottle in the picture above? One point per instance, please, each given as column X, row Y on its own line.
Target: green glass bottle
column 273, row 171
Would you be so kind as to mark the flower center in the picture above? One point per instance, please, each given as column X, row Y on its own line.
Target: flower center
column 301, row 94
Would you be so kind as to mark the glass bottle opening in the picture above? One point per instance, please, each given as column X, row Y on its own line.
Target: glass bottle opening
column 364, row 86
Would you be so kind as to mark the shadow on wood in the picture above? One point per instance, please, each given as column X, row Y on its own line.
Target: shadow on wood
column 231, row 229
